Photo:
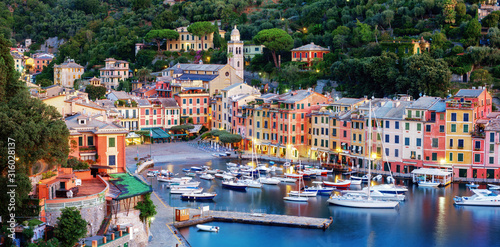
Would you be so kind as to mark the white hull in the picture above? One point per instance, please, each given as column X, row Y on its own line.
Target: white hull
column 491, row 203
column 362, row 203
column 288, row 180
column 356, row 182
column 428, row 184
column 185, row 191
column 207, row 177
column 229, row 164
column 376, row 195
column 272, row 181
column 494, row 187
column 303, row 193
column 480, row 198
column 296, row 198
column 252, row 183
column 208, row 228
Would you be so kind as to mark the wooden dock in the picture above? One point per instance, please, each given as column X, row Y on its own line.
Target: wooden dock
column 259, row 219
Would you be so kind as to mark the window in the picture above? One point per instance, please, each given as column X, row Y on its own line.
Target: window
column 466, row 117
column 354, row 137
column 184, row 101
column 434, row 156
column 396, row 125
column 466, row 128
column 492, row 148
column 454, row 117
column 147, row 111
column 112, row 160
column 409, row 114
column 111, row 142
column 396, row 139
column 154, row 112
column 492, row 160
column 334, row 132
column 419, row 142
column 407, row 126
column 396, row 152
column 413, row 154
column 477, row 145
column 147, row 122
column 90, row 141
column 460, row 143
column 441, row 128
column 387, row 124
column 428, row 128
column 441, row 116
column 435, row 142
column 492, row 137
column 345, row 133
column 80, row 141
column 301, row 139
column 477, row 158
column 460, row 157
column 451, row 143
column 419, row 127
column 407, row 141
column 451, row 157
column 453, row 128
column 387, row 138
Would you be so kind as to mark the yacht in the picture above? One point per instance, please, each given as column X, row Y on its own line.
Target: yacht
column 481, row 197
column 269, row 180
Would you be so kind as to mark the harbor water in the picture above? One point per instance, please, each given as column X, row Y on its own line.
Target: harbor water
column 427, row 217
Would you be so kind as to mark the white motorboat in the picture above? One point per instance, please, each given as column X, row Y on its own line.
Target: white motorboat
column 214, row 171
column 224, row 175
column 364, row 178
column 377, row 178
column 356, row 182
column 269, row 180
column 318, row 188
column 208, row 228
column 234, row 185
column 493, row 187
column 186, row 184
column 472, row 185
column 357, row 201
column 287, row 164
column 298, row 197
column 293, row 175
column 230, row 164
column 172, row 180
column 206, row 176
column 185, row 190
column 390, row 179
column 252, row 183
column 303, row 193
column 375, row 194
column 390, row 188
column 196, row 168
column 428, row 184
column 198, row 196
column 286, row 180
column 481, row 197
column 263, row 169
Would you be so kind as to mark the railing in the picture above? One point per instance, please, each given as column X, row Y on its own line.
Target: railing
column 88, row 149
column 478, row 134
column 460, row 105
column 413, row 119
column 93, row 200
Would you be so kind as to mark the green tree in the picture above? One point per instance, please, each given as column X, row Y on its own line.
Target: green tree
column 147, row 209
column 202, row 29
column 159, row 35
column 491, row 20
column 461, row 10
column 388, row 17
column 472, row 31
column 44, row 82
column 144, row 74
column 449, row 11
column 125, row 85
column 95, row 92
column 276, row 40
column 140, row 4
column 53, row 242
column 230, row 138
column 481, row 77
column 70, row 227
column 429, row 76
column 363, row 33
column 28, row 234
column 494, row 36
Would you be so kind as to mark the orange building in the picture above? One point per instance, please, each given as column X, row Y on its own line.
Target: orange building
column 96, row 139
column 194, row 104
column 309, row 53
column 40, row 61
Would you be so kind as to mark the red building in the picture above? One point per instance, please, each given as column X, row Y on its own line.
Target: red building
column 99, row 141
column 309, row 53
column 194, row 104
column 435, row 135
column 41, row 60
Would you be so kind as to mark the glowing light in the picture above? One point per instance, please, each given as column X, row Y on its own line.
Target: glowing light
column 443, row 161
column 374, row 155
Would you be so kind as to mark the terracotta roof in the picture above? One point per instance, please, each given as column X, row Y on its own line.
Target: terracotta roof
column 310, row 47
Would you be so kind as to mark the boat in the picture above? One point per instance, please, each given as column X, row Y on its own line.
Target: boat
column 185, row 184
column 364, row 178
column 303, row 193
column 340, row 184
column 390, row 179
column 493, row 187
column 357, row 201
column 206, row 176
column 152, row 173
column 214, row 171
column 481, row 197
column 390, row 188
column 228, row 154
column 172, row 180
column 263, row 169
column 208, row 228
column 287, row 180
column 428, row 184
column 230, row 164
column 356, row 182
column 198, row 196
column 216, row 155
column 269, row 180
column 166, row 173
column 252, row 183
column 234, row 185
column 196, row 168
column 472, row 185
column 186, row 169
column 318, row 188
column 293, row 175
column 191, row 174
column 297, row 195
column 287, row 164
column 377, row 178
column 184, row 190
column 375, row 194
column 224, row 176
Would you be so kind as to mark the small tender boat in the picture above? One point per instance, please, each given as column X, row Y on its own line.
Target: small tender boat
column 493, row 187
column 364, row 178
column 340, row 184
column 196, row 168
column 480, row 198
column 377, row 178
column 472, row 185
column 296, row 198
column 390, row 180
column 252, row 183
column 303, row 193
column 166, row 173
column 186, row 169
column 216, row 155
column 198, row 196
column 191, row 174
column 152, row 173
column 185, row 184
column 207, row 228
column 286, row 164
column 318, row 188
column 206, row 176
column 214, row 171
column 184, row 190
column 390, row 188
column 428, row 184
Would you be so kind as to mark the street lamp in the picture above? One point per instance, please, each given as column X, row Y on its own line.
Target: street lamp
column 208, row 59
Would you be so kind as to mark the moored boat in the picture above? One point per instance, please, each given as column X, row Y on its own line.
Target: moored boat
column 428, row 184
column 472, row 185
column 268, row 180
column 208, row 228
column 198, row 196
column 340, row 184
column 234, row 185
column 184, row 190
column 206, row 176
column 196, row 168
column 481, row 197
column 303, row 193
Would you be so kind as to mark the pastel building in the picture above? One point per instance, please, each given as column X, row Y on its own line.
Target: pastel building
column 223, row 113
column 491, row 168
column 188, row 41
column 40, row 61
column 309, row 53
column 194, row 104
column 66, row 73
column 113, row 72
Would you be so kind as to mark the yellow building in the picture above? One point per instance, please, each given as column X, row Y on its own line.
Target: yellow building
column 188, row 41
column 320, row 135
column 113, row 72
column 66, row 73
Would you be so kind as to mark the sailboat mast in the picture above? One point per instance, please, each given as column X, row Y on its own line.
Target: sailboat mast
column 369, row 146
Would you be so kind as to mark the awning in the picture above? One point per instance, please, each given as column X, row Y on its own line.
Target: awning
column 157, row 133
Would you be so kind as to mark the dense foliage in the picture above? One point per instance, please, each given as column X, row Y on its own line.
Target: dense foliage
column 70, row 227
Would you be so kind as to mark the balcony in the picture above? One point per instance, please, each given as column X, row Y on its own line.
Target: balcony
column 88, row 149
column 478, row 134
column 460, row 105
column 413, row 119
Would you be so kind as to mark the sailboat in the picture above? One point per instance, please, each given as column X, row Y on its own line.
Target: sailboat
column 252, row 183
column 350, row 200
column 296, row 197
